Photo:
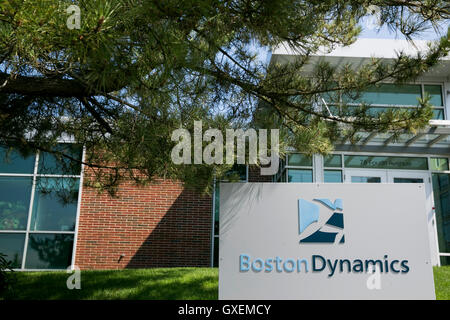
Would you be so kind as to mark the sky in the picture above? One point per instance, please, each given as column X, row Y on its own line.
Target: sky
column 371, row 31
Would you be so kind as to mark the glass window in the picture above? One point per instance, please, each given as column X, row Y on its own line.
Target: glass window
column 331, row 96
column 216, row 252
column 50, row 163
column 438, row 114
column 439, row 164
column 408, row 180
column 298, row 159
column 398, row 95
column 15, row 193
column 55, row 204
column 49, row 251
column 441, row 193
column 12, row 161
column 300, row 175
column 390, row 94
column 216, row 209
column 11, row 244
column 332, row 176
column 375, row 111
column 445, row 261
column 53, row 207
column 281, row 173
column 356, row 179
column 282, row 176
column 435, row 92
column 333, row 160
column 382, row 162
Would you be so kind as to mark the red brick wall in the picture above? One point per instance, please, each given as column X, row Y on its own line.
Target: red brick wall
column 158, row 225
column 254, row 175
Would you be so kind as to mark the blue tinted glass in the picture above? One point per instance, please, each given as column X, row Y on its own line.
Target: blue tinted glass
column 282, row 177
column 435, row 92
column 15, row 193
column 49, row 251
column 55, row 204
column 389, row 94
column 441, row 194
column 445, row 260
column 216, row 252
column 439, row 164
column 332, row 176
column 298, row 159
column 408, row 180
column 13, row 162
column 216, row 209
column 11, row 244
column 356, row 179
column 330, row 96
column 298, row 175
column 333, row 160
column 438, row 114
column 375, row 111
column 50, row 163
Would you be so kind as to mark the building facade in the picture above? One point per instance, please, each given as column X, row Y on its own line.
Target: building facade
column 50, row 220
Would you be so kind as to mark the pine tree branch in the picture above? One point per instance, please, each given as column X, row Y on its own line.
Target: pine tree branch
column 50, row 86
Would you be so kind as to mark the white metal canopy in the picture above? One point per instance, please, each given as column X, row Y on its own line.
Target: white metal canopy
column 435, row 139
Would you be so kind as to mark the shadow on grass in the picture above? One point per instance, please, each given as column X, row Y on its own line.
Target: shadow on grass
column 137, row 284
column 145, row 284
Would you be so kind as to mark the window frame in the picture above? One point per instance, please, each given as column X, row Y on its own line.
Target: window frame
column 28, row 231
column 355, row 153
column 290, row 166
column 340, row 169
column 406, row 106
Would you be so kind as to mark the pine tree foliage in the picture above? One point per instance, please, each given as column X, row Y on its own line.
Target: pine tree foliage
column 138, row 69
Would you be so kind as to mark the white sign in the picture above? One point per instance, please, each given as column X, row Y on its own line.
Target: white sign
column 324, row 241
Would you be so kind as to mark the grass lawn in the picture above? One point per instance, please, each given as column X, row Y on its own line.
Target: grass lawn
column 135, row 284
column 442, row 282
column 164, row 283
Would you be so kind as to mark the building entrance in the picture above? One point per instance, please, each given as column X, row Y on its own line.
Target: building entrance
column 402, row 176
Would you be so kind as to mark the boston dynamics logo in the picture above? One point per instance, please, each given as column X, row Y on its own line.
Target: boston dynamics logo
column 321, row 221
